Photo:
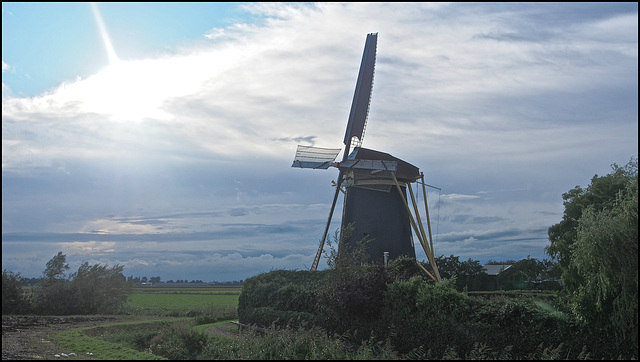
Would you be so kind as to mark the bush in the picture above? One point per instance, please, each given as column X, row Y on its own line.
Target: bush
column 14, row 299
column 179, row 341
column 357, row 293
column 402, row 268
column 412, row 316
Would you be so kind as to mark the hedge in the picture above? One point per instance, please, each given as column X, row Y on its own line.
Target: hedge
column 413, row 314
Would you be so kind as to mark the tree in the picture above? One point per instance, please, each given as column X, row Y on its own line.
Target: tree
column 522, row 274
column 600, row 194
column 52, row 295
column 14, row 300
column 605, row 255
column 98, row 289
column 92, row 289
column 596, row 245
column 56, row 267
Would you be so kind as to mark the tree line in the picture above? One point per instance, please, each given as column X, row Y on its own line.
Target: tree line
column 92, row 289
column 525, row 274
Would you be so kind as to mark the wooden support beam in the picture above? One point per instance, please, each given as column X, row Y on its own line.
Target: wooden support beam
column 413, row 223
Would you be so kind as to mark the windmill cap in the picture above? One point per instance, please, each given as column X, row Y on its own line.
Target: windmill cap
column 404, row 172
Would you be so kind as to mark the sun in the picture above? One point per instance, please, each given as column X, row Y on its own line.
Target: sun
column 129, row 91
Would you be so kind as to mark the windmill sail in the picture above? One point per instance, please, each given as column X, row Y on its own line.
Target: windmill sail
column 315, row 157
column 362, row 96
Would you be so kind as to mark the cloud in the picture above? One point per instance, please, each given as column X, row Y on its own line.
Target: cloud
column 215, row 33
column 182, row 162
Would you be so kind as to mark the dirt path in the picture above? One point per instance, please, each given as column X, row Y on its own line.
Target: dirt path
column 30, row 337
column 223, row 330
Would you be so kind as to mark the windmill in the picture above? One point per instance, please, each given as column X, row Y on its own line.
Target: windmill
column 375, row 183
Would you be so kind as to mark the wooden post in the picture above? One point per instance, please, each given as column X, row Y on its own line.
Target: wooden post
column 413, row 223
column 426, row 208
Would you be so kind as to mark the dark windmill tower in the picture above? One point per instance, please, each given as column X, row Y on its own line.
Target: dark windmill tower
column 375, row 183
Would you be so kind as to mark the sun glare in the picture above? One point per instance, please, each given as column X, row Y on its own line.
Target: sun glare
column 123, row 90
column 127, row 91
column 111, row 53
column 137, row 90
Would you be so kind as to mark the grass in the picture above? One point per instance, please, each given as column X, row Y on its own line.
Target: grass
column 181, row 301
column 188, row 289
column 190, row 302
column 80, row 342
column 131, row 340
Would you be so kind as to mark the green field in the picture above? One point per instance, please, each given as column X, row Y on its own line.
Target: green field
column 197, row 308
column 181, row 300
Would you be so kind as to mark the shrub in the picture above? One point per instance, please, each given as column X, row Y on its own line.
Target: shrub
column 357, row 293
column 179, row 341
column 402, row 268
column 14, row 299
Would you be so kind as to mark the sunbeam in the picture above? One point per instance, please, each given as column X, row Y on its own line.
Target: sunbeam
column 113, row 57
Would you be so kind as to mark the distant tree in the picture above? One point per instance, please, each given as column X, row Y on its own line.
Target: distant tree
column 92, row 289
column 98, row 289
column 144, row 279
column 522, row 274
column 14, row 300
column 56, row 267
column 52, row 294
column 469, row 274
column 30, row 281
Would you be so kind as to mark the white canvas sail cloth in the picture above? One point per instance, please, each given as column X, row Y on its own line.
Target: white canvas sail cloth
column 315, row 157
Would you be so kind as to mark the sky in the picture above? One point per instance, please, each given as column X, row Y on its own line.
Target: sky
column 160, row 136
